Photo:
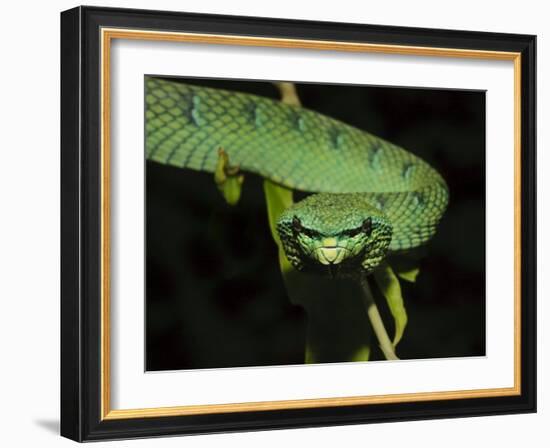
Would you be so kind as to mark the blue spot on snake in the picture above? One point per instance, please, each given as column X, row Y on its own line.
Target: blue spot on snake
column 301, row 124
column 256, row 116
column 336, row 138
column 374, row 156
column 251, row 111
column 407, row 171
column 418, row 199
column 381, row 202
column 194, row 110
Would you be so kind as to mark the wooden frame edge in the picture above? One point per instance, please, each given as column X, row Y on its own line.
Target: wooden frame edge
column 107, row 35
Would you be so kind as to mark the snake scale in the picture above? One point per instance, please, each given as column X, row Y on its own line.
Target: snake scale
column 371, row 196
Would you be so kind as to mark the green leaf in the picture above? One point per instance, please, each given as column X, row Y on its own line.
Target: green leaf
column 231, row 189
column 278, row 199
column 409, row 275
column 406, row 266
column 362, row 354
column 390, row 287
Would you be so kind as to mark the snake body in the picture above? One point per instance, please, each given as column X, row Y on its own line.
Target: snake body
column 372, row 196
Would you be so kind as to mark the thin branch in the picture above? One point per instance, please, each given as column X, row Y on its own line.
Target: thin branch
column 376, row 321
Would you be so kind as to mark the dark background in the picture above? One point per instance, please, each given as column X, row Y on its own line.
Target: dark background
column 215, row 296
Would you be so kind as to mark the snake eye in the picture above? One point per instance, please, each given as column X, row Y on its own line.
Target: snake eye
column 367, row 226
column 297, row 224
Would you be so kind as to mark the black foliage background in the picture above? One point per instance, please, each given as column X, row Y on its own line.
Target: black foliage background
column 214, row 292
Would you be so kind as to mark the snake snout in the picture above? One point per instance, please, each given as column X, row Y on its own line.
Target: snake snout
column 330, row 254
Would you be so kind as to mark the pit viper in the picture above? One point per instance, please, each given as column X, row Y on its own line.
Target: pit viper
column 369, row 196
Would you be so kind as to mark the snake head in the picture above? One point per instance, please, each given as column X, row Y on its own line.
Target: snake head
column 337, row 235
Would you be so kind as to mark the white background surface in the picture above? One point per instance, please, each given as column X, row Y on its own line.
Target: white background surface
column 133, row 388
column 29, row 236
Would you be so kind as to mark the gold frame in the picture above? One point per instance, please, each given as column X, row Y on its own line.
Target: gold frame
column 107, row 35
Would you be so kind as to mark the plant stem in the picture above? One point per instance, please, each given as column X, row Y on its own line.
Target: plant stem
column 376, row 321
column 288, row 93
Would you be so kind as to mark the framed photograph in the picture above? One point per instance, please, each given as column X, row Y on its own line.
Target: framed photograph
column 274, row 224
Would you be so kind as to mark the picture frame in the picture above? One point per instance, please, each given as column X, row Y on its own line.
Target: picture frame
column 87, row 37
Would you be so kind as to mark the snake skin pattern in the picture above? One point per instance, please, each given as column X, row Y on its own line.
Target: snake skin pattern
column 294, row 147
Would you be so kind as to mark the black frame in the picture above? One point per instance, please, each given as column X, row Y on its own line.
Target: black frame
column 80, row 224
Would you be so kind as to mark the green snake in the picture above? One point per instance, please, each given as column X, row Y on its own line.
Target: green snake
column 370, row 197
